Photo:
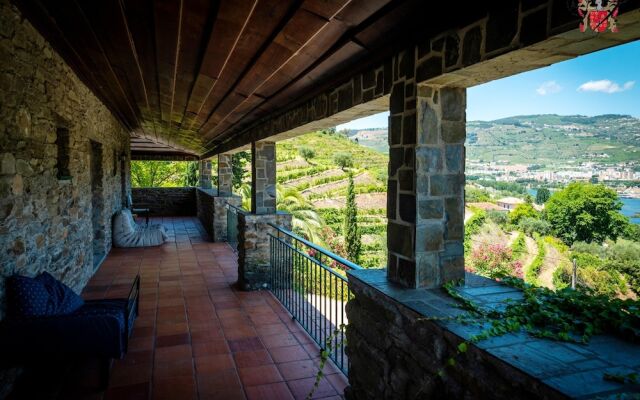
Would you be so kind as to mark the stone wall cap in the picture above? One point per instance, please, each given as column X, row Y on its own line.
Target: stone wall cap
column 564, row 367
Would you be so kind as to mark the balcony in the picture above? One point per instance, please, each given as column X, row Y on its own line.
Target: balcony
column 87, row 87
column 197, row 336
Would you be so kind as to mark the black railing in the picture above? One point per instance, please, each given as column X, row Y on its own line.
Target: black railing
column 311, row 283
column 232, row 225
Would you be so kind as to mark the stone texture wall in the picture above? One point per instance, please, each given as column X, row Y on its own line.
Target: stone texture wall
column 46, row 223
column 225, row 173
column 396, row 353
column 212, row 212
column 425, row 202
column 254, row 271
column 263, row 178
column 166, row 201
column 205, row 174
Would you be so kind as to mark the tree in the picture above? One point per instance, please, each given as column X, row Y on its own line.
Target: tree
column 191, row 177
column 306, row 153
column 238, row 163
column 306, row 220
column 343, row 160
column 157, row 173
column 350, row 228
column 542, row 195
column 586, row 212
column 523, row 210
column 531, row 225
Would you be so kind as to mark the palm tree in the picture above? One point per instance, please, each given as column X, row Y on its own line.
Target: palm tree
column 306, row 220
column 245, row 192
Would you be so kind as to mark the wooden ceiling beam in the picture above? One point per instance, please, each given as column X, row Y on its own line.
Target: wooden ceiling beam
column 269, row 16
column 359, row 25
column 231, row 21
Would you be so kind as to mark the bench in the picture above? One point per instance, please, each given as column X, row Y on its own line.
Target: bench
column 99, row 328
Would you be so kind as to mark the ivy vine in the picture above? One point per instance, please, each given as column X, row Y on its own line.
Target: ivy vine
column 565, row 315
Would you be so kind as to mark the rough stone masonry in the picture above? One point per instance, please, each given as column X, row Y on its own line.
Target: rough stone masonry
column 45, row 218
column 46, row 222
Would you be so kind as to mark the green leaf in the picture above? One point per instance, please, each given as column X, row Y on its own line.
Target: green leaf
column 462, row 347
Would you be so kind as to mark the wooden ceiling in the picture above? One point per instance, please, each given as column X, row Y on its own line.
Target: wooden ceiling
column 187, row 74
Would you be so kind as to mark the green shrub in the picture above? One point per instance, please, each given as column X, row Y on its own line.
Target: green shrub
column 472, row 227
column 524, row 210
column 499, row 217
column 306, row 152
column 533, row 270
column 343, row 160
column 531, row 226
column 599, row 281
column 519, row 246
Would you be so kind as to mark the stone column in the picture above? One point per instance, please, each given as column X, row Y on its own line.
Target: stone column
column 225, row 174
column 263, row 177
column 205, row 174
column 426, row 185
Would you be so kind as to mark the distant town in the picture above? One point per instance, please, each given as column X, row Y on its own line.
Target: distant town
column 621, row 177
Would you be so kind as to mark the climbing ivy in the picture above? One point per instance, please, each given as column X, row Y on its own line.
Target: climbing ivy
column 564, row 315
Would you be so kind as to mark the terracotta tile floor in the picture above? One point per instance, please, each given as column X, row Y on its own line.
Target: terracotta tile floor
column 197, row 337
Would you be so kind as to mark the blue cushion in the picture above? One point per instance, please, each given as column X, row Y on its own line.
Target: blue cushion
column 28, row 297
column 40, row 296
column 64, row 299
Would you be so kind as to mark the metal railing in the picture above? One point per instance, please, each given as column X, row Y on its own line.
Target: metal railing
column 311, row 283
column 232, row 225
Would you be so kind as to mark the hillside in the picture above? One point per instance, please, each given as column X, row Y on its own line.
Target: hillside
column 541, row 139
column 554, row 139
column 324, row 185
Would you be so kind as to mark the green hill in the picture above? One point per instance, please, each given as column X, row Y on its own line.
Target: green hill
column 324, row 185
column 554, row 139
column 547, row 139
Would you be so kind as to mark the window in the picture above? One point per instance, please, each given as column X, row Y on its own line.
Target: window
column 62, row 164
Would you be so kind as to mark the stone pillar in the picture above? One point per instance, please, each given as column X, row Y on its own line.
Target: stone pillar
column 254, row 248
column 426, row 184
column 263, row 177
column 225, row 174
column 205, row 174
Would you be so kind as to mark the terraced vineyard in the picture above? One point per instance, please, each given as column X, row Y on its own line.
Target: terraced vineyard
column 324, row 185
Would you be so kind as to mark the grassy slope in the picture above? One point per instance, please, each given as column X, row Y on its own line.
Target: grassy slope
column 371, row 221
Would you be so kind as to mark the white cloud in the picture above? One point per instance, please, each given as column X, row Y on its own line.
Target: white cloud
column 605, row 86
column 548, row 88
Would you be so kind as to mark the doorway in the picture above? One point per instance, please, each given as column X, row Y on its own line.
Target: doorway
column 97, row 204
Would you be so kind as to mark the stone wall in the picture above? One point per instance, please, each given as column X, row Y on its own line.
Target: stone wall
column 212, row 212
column 399, row 341
column 46, row 219
column 254, row 270
column 263, row 178
column 225, row 173
column 205, row 174
column 166, row 201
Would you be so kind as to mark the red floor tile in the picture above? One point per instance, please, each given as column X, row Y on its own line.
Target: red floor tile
column 197, row 336
column 270, row 391
column 298, row 369
column 177, row 388
column 260, row 375
column 252, row 358
column 279, row 340
column 289, row 353
column 246, row 344
column 301, row 388
column 214, row 363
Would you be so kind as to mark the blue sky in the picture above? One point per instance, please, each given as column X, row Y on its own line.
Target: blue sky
column 604, row 82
